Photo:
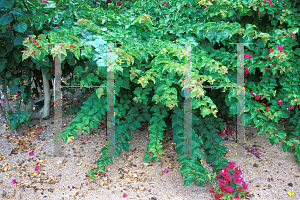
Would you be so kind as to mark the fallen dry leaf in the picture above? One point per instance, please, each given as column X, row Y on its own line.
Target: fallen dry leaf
column 142, row 188
column 169, row 163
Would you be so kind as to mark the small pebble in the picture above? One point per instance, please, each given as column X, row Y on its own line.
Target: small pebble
column 255, row 165
column 290, row 184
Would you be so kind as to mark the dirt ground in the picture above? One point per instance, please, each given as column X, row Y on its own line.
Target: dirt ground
column 269, row 177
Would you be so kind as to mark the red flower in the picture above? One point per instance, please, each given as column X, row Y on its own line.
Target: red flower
column 263, row 104
column 257, row 111
column 108, row 1
column 9, row 26
column 279, row 102
column 164, row 154
column 268, row 57
column 257, row 97
column 271, row 50
column 247, row 71
column 40, row 39
column 273, row 64
column 86, row 176
column 265, row 69
column 283, row 4
column 119, row 3
column 265, row 1
column 71, row 45
column 163, row 3
column 190, row 6
column 34, row 41
column 37, row 44
column 183, row 79
column 267, row 108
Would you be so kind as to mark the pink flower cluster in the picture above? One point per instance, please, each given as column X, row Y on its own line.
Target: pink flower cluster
column 222, row 133
column 270, row 1
column 164, row 4
column 226, row 178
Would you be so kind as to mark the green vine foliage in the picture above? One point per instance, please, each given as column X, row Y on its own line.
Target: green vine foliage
column 149, row 66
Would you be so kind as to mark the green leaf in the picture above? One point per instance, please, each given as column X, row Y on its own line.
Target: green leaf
column 7, row 3
column 188, row 182
column 85, row 120
column 185, row 169
column 216, row 162
column 9, row 46
column 6, row 19
column 190, row 176
column 284, row 148
column 93, row 125
column 212, row 151
column 208, row 144
column 78, row 69
column 16, row 11
column 13, row 124
column 248, row 119
column 217, row 139
column 13, row 89
column 210, row 159
column 77, row 53
column 8, row 74
column 21, row 27
column 282, row 114
column 204, row 111
column 16, row 81
column 117, row 151
column 3, row 61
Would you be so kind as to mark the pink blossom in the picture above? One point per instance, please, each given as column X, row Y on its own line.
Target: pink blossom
column 254, row 150
column 222, row 181
column 279, row 102
column 238, row 169
column 286, row 54
column 124, row 195
column 271, row 50
column 37, row 168
column 166, row 171
column 245, row 186
column 257, row 153
column 130, row 150
column 150, row 153
column 2, row 99
column 14, row 181
column 229, row 189
column 279, row 47
column 238, row 180
column 30, row 153
column 231, row 165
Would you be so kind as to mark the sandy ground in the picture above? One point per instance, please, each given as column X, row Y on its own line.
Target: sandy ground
column 58, row 178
